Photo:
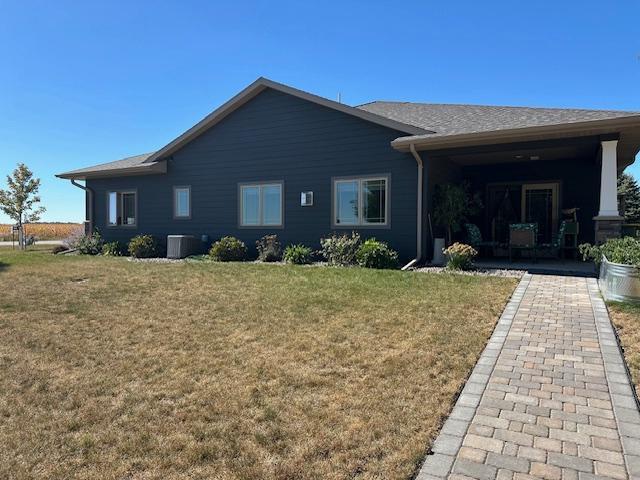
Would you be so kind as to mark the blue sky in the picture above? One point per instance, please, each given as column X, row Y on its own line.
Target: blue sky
column 89, row 82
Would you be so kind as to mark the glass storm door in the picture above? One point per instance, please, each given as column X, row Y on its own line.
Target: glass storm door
column 540, row 205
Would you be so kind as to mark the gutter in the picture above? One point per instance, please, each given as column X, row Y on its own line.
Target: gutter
column 90, row 209
column 416, row 260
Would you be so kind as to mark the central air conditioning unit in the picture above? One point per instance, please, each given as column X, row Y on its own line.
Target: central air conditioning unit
column 181, row 246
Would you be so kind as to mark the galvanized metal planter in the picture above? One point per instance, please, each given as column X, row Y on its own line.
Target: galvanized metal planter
column 619, row 282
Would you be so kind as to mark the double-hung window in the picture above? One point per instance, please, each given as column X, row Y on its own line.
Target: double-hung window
column 122, row 209
column 361, row 201
column 182, row 202
column 261, row 205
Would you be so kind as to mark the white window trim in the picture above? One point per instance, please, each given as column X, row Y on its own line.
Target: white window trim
column 361, row 223
column 260, row 186
column 120, row 194
column 175, row 202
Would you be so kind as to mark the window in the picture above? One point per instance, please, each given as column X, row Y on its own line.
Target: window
column 182, row 202
column 122, row 209
column 360, row 201
column 261, row 205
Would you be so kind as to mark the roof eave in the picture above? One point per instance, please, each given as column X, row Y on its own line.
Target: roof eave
column 592, row 127
column 142, row 169
column 259, row 86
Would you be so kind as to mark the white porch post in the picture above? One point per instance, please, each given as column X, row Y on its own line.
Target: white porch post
column 608, row 222
column 609, row 180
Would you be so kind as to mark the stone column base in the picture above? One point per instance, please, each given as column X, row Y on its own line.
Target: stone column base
column 607, row 227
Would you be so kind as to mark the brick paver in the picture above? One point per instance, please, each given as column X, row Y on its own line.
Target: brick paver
column 549, row 398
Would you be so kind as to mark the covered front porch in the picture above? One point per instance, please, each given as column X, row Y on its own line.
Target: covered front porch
column 563, row 188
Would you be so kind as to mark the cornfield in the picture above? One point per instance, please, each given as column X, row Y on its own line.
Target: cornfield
column 43, row 231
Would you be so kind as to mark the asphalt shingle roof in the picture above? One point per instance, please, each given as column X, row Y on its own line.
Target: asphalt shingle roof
column 452, row 119
column 437, row 120
column 128, row 162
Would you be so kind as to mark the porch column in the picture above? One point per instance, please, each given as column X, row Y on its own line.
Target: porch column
column 608, row 222
column 609, row 180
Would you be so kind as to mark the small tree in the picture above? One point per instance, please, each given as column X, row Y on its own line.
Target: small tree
column 628, row 186
column 19, row 201
column 452, row 205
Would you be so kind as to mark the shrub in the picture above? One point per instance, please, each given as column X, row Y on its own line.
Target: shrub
column 460, row 256
column 340, row 249
column 298, row 254
column 375, row 254
column 269, row 249
column 228, row 249
column 624, row 250
column 90, row 244
column 143, row 246
column 59, row 249
column 113, row 249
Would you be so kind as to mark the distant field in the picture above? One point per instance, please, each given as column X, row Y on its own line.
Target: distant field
column 43, row 231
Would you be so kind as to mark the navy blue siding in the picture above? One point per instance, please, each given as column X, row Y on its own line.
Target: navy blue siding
column 273, row 137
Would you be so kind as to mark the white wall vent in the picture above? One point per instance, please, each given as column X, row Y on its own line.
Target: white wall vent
column 306, row 199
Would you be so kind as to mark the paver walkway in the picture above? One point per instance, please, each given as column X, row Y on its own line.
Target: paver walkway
column 549, row 398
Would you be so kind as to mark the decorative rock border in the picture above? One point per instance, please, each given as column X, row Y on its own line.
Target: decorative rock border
column 437, row 465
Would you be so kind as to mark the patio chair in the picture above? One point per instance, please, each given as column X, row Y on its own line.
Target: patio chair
column 523, row 236
column 474, row 238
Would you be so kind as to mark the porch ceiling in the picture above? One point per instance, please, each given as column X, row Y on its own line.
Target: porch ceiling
column 524, row 152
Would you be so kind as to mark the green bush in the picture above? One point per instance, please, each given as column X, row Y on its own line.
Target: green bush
column 340, row 249
column 460, row 256
column 143, row 246
column 228, row 249
column 624, row 250
column 113, row 249
column 269, row 249
column 375, row 254
column 90, row 244
column 298, row 254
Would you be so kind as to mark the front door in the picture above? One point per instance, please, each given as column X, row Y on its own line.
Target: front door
column 540, row 205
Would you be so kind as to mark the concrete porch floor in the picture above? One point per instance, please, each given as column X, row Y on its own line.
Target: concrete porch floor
column 549, row 266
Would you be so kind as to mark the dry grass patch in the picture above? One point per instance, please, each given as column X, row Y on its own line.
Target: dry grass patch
column 114, row 369
column 626, row 318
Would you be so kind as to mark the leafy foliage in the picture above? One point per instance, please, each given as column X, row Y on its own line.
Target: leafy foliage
column 628, row 186
column 460, row 256
column 269, row 249
column 228, row 249
column 143, row 246
column 624, row 250
column 113, row 249
column 90, row 244
column 19, row 202
column 375, row 254
column 340, row 249
column 453, row 205
column 298, row 254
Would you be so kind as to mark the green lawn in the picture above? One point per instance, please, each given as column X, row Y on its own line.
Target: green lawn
column 116, row 369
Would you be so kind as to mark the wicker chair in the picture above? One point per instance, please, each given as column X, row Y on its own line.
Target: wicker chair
column 523, row 236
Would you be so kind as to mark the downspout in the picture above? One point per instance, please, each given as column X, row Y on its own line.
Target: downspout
column 90, row 209
column 416, row 260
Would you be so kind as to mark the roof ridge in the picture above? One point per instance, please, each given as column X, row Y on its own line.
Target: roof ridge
column 575, row 109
